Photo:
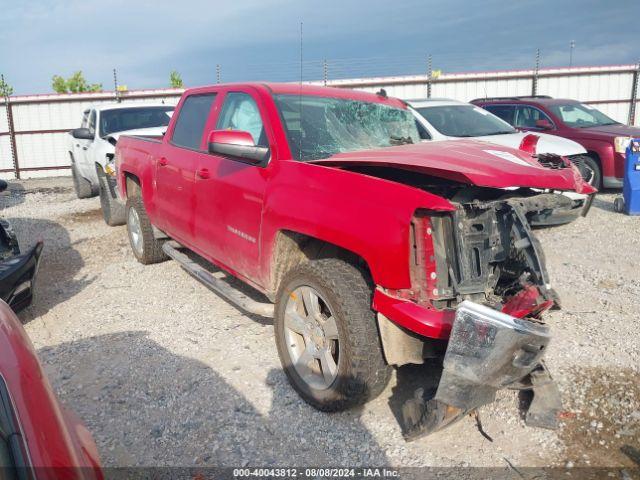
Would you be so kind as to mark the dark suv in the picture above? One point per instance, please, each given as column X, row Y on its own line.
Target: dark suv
column 604, row 139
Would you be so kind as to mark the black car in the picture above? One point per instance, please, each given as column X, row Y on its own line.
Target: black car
column 17, row 270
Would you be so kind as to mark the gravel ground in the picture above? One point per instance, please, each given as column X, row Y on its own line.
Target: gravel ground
column 164, row 372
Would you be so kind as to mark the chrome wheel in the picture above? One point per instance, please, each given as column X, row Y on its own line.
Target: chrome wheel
column 311, row 336
column 135, row 231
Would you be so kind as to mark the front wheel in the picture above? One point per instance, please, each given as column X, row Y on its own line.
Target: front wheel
column 327, row 336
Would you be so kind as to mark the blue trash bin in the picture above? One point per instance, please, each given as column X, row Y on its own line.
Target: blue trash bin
column 631, row 182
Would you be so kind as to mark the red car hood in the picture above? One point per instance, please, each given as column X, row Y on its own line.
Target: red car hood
column 467, row 161
column 610, row 130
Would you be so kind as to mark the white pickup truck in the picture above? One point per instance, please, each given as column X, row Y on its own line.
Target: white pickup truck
column 92, row 146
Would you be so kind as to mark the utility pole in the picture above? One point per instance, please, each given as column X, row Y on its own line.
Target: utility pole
column 429, row 74
column 217, row 73
column 301, row 53
column 115, row 86
column 534, row 82
column 572, row 45
column 325, row 71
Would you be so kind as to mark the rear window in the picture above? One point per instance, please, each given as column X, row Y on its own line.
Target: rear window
column 123, row 119
column 192, row 120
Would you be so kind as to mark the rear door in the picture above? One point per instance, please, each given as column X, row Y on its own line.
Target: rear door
column 176, row 167
column 85, row 147
column 230, row 192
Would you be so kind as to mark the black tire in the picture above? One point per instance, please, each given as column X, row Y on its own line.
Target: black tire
column 150, row 250
column 362, row 373
column 81, row 185
column 113, row 211
column 590, row 170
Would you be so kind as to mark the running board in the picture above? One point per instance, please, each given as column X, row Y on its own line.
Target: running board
column 217, row 285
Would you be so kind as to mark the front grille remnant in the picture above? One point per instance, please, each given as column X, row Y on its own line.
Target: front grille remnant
column 485, row 249
column 552, row 161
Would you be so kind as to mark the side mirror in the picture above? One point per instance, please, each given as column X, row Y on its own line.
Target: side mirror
column 544, row 124
column 82, row 134
column 3, row 185
column 238, row 144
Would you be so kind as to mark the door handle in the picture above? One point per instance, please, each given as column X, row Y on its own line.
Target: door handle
column 204, row 173
column 84, row 148
column 163, row 162
column 77, row 144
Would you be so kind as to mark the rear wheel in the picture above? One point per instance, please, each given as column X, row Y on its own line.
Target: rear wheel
column 146, row 248
column 113, row 211
column 81, row 185
column 327, row 335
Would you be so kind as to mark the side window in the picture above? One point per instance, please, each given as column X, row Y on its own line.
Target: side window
column 92, row 122
column 505, row 112
column 192, row 120
column 85, row 119
column 240, row 112
column 526, row 116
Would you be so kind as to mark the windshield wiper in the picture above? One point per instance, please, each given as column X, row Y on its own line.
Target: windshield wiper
column 500, row 132
column 395, row 140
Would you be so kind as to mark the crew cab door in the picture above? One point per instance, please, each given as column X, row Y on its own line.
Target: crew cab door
column 83, row 148
column 176, row 164
column 229, row 192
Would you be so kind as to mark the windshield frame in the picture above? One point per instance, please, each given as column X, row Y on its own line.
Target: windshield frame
column 508, row 128
column 338, row 123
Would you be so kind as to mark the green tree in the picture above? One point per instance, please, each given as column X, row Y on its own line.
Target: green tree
column 76, row 83
column 175, row 80
column 5, row 89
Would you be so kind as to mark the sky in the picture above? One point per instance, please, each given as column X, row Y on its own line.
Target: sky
column 260, row 39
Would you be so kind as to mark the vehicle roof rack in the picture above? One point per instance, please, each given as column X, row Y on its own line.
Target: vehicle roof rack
column 522, row 97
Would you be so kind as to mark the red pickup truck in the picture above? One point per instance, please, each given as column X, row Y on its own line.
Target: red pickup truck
column 376, row 249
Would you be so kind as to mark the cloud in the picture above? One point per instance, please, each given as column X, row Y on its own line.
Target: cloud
column 254, row 39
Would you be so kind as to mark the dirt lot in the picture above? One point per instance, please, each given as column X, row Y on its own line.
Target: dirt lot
column 163, row 372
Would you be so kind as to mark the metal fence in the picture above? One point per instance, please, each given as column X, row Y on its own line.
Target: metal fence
column 612, row 89
column 33, row 129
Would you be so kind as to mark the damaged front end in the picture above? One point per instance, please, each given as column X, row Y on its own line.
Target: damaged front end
column 486, row 268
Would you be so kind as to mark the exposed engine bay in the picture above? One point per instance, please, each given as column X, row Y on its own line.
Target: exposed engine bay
column 483, row 262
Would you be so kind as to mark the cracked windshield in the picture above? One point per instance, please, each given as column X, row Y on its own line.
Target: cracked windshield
column 318, row 127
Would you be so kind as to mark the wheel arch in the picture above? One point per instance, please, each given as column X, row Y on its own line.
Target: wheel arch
column 291, row 248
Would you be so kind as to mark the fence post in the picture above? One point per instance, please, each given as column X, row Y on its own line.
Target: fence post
column 429, row 74
column 634, row 95
column 12, row 135
column 534, row 80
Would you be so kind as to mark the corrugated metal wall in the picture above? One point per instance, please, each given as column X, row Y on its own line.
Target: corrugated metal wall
column 608, row 88
column 41, row 122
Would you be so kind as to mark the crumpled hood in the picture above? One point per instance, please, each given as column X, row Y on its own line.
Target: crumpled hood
column 467, row 161
column 151, row 131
